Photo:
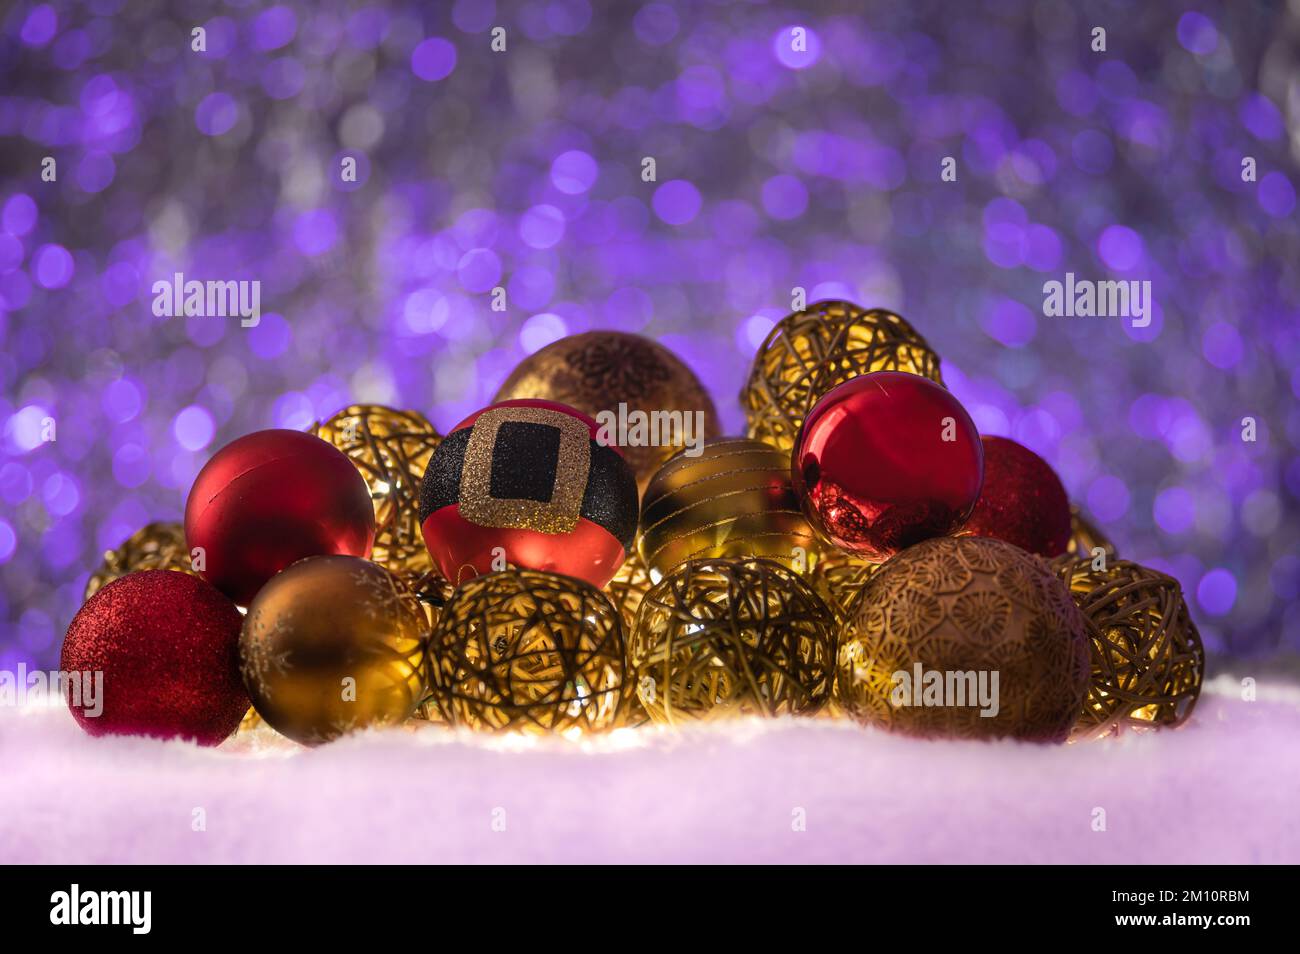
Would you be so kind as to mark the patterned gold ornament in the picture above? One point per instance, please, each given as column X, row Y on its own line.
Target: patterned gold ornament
column 935, row 625
column 1085, row 537
column 331, row 644
column 718, row 638
column 391, row 448
column 598, row 371
column 811, row 351
column 735, row 500
column 530, row 651
column 1147, row 657
column 157, row 546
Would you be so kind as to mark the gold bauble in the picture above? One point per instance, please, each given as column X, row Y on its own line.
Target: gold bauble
column 598, row 370
column 735, row 500
column 838, row 578
column 1147, row 657
column 1085, row 537
column 527, row 650
column 964, row 609
column 718, row 638
column 331, row 644
column 809, row 352
column 157, row 546
column 626, row 590
column 391, row 449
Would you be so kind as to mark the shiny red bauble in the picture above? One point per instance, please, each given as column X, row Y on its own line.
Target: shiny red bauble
column 269, row 499
column 1023, row 501
column 526, row 483
column 886, row 460
column 156, row 653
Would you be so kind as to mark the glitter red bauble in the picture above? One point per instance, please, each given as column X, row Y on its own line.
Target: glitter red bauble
column 167, row 644
column 1023, row 501
column 526, row 483
column 269, row 499
column 886, row 460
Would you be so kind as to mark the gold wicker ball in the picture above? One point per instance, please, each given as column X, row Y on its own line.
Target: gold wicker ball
column 1147, row 656
column 718, row 638
column 527, row 650
column 391, row 449
column 964, row 609
column 1085, row 537
column 838, row 578
column 735, row 500
column 156, row 546
column 811, row 351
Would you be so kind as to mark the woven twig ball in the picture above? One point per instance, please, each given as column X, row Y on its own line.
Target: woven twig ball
column 1085, row 537
column 839, row 577
column 732, row 637
column 156, row 546
column 527, row 650
column 391, row 448
column 809, row 352
column 1147, row 657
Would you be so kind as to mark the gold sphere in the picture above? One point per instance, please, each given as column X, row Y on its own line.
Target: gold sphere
column 811, row 351
column 1147, row 656
column 597, row 371
column 156, row 546
column 1085, row 537
column 735, row 500
column 719, row 638
column 935, row 626
column 527, row 650
column 838, row 578
column 331, row 644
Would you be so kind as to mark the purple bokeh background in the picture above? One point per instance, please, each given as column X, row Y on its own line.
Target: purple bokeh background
column 777, row 167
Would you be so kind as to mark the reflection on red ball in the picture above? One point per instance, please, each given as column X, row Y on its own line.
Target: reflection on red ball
column 525, row 483
column 1023, row 501
column 166, row 646
column 886, row 460
column 269, row 499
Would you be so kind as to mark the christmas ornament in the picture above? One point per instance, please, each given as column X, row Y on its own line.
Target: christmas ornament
column 391, row 449
column 525, row 483
column 157, row 546
column 1147, row 657
column 1022, row 500
column 1085, row 538
column 654, row 403
column 527, row 650
column 332, row 644
column 886, row 460
column 165, row 644
column 733, row 500
column 268, row 499
column 628, row 587
column 732, row 637
column 811, row 351
column 965, row 636
column 838, row 578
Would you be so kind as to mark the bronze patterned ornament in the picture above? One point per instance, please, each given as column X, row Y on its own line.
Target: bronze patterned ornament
column 1147, row 658
column 332, row 644
column 156, row 546
column 811, row 351
column 965, row 637
column 391, row 449
column 527, row 650
column 598, row 371
column 720, row 638
column 1085, row 538
column 734, row 500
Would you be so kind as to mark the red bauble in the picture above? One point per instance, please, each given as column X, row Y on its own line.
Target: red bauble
column 1023, row 501
column 167, row 644
column 886, row 460
column 269, row 499
column 526, row 483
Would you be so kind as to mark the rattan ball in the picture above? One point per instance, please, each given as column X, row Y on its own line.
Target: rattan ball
column 156, row 546
column 839, row 577
column 720, row 638
column 811, row 351
column 1147, row 656
column 1085, row 537
column 527, row 650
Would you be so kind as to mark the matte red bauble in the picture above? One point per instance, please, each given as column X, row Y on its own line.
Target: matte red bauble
column 886, row 460
column 1023, row 501
column 526, row 483
column 269, row 499
column 167, row 646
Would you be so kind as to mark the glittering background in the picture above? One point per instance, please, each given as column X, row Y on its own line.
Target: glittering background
column 775, row 169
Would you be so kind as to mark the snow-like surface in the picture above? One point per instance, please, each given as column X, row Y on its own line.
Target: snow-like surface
column 1222, row 789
